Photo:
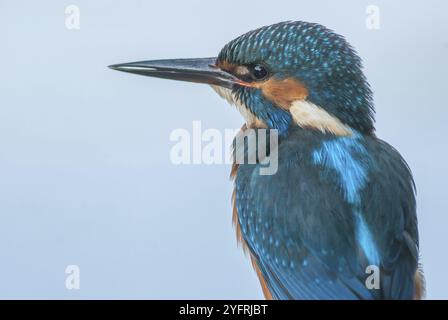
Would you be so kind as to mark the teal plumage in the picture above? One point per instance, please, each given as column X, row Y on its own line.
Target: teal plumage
column 302, row 224
column 341, row 202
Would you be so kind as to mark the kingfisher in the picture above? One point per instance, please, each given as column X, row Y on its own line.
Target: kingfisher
column 340, row 207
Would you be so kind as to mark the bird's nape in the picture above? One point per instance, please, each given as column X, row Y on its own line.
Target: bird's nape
column 344, row 200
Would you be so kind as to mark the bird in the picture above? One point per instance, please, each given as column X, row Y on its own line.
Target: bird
column 341, row 203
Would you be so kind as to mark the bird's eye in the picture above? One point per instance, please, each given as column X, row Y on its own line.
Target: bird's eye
column 258, row 72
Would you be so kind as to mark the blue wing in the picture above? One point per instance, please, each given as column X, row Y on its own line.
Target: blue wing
column 303, row 229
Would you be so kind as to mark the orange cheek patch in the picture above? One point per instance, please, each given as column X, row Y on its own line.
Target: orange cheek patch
column 227, row 66
column 283, row 92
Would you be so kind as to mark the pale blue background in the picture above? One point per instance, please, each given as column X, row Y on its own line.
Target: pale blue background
column 85, row 175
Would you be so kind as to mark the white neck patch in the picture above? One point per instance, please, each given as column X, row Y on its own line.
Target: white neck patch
column 304, row 113
column 309, row 115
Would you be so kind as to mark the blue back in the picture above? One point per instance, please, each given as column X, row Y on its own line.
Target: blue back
column 335, row 206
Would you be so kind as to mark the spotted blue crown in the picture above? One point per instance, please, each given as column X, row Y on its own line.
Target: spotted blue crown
column 321, row 59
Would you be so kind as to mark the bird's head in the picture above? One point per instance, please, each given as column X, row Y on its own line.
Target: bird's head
column 290, row 73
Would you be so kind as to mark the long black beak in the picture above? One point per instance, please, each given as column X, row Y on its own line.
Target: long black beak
column 201, row 70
